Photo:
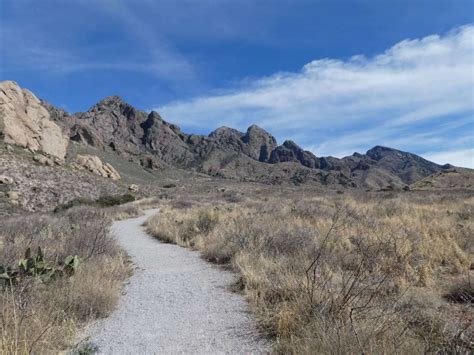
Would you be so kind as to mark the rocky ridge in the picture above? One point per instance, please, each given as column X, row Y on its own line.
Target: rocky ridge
column 115, row 126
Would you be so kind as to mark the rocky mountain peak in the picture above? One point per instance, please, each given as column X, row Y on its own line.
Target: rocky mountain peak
column 291, row 145
column 290, row 151
column 378, row 152
column 409, row 167
column 225, row 131
column 260, row 143
column 114, row 104
column 111, row 101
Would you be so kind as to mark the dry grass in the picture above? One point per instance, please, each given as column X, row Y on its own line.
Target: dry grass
column 39, row 317
column 129, row 210
column 333, row 273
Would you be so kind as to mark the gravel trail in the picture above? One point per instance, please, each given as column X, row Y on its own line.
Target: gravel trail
column 175, row 303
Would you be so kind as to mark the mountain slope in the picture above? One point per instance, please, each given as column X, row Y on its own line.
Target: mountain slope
column 146, row 138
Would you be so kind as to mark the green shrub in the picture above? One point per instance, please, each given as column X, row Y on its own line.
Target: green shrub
column 103, row 201
column 108, row 200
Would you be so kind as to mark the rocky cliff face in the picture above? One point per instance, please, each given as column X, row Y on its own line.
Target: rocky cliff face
column 260, row 144
column 290, row 151
column 24, row 121
column 116, row 126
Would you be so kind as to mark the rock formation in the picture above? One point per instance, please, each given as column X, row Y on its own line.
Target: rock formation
column 25, row 122
column 93, row 164
column 260, row 143
column 290, row 151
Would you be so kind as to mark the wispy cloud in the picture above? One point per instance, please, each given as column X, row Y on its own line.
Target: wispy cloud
column 59, row 44
column 403, row 96
column 463, row 157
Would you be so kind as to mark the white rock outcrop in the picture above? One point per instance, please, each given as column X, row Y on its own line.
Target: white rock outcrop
column 93, row 164
column 25, row 122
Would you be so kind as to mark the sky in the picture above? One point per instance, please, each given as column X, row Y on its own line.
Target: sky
column 335, row 76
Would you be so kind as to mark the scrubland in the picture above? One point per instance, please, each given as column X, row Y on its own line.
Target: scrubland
column 337, row 273
column 74, row 278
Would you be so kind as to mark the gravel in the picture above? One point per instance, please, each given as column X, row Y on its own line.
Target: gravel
column 175, row 303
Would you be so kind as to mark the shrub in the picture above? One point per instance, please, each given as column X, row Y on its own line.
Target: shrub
column 78, row 201
column 103, row 201
column 461, row 292
column 106, row 201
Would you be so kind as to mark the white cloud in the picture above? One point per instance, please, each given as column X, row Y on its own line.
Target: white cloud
column 463, row 158
column 404, row 95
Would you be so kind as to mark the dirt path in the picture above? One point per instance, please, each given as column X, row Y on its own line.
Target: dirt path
column 175, row 303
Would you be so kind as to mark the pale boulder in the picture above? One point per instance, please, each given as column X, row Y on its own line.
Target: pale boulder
column 25, row 122
column 93, row 164
column 43, row 160
column 6, row 180
column 13, row 195
column 133, row 188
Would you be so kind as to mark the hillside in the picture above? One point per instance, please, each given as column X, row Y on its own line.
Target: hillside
column 449, row 179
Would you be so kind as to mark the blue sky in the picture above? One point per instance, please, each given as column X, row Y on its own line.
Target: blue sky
column 336, row 76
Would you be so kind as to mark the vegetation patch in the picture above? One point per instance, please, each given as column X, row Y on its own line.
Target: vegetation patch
column 103, row 201
column 334, row 274
column 59, row 272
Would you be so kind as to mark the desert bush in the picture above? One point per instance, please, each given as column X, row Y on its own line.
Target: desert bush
column 343, row 274
column 78, row 201
column 40, row 316
column 103, row 201
column 123, row 212
column 113, row 200
column 461, row 291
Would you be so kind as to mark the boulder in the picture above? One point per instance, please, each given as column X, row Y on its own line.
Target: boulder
column 43, row 160
column 25, row 122
column 13, row 195
column 5, row 180
column 133, row 188
column 93, row 164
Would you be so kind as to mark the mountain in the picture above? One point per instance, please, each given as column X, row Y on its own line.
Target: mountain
column 112, row 125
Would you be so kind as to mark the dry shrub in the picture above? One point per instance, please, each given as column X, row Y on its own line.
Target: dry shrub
column 180, row 227
column 342, row 274
column 462, row 291
column 42, row 317
column 119, row 213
